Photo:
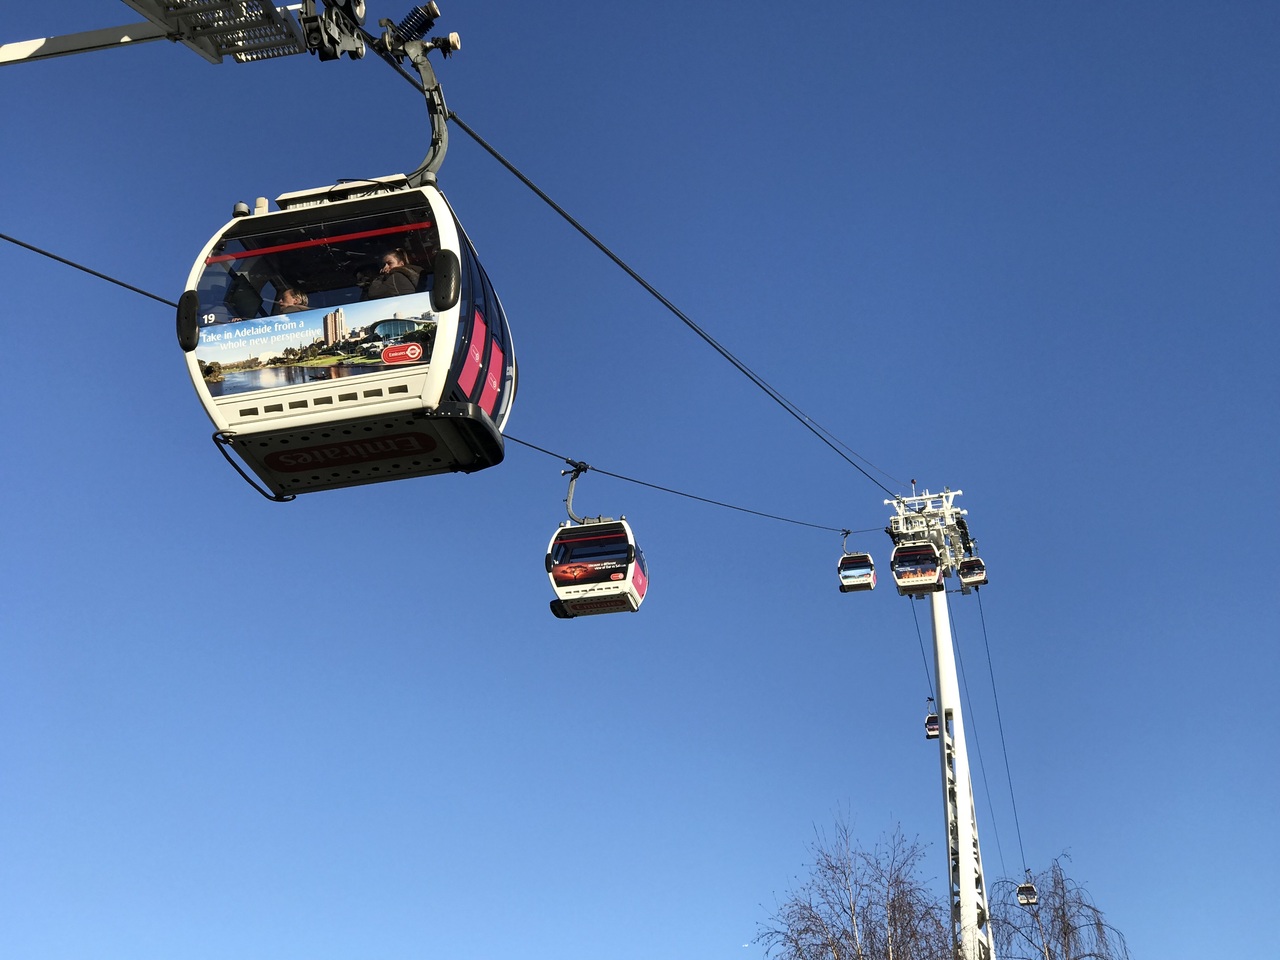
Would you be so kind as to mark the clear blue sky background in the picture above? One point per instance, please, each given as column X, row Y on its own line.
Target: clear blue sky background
column 1025, row 250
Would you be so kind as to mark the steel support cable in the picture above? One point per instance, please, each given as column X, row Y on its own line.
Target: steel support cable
column 577, row 464
column 91, row 272
column 977, row 746
column 1017, row 824
column 928, row 675
column 808, row 422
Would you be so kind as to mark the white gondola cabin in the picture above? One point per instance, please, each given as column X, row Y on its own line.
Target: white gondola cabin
column 931, row 726
column 1027, row 894
column 917, row 568
column 349, row 337
column 972, row 572
column 596, row 567
column 857, row 571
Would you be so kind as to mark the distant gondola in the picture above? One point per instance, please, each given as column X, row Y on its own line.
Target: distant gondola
column 596, row 567
column 857, row 571
column 972, row 572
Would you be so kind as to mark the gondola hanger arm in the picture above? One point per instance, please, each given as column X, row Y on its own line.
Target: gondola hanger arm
column 579, row 468
column 408, row 40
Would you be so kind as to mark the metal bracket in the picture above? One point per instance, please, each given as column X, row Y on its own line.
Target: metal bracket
column 222, row 441
column 579, row 468
column 246, row 30
column 407, row 41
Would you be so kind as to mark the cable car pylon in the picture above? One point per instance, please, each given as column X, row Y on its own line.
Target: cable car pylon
column 931, row 541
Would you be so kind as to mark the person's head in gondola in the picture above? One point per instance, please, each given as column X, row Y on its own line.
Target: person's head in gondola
column 397, row 277
column 393, row 259
column 291, row 300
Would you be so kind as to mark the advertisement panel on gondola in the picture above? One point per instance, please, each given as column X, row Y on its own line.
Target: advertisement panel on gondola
column 237, row 355
column 590, row 554
column 594, row 571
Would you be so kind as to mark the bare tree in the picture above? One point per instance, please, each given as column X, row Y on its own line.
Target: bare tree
column 1063, row 923
column 860, row 904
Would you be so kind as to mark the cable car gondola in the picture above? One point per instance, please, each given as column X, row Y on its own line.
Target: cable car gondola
column 972, row 572
column 351, row 336
column 931, row 725
column 595, row 564
column 857, row 572
column 917, row 568
column 596, row 567
column 1028, row 896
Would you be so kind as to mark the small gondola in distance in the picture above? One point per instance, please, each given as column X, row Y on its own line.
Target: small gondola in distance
column 349, row 337
column 857, row 572
column 917, row 568
column 972, row 572
column 596, row 567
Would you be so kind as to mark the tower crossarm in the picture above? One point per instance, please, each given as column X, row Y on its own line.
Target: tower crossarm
column 245, row 30
column 932, row 518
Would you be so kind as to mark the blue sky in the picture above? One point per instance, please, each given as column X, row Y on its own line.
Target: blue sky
column 1024, row 251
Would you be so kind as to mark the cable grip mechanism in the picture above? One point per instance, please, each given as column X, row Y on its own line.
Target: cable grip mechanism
column 579, row 468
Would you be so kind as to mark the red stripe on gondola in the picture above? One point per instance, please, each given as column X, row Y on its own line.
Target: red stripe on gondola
column 576, row 538
column 320, row 242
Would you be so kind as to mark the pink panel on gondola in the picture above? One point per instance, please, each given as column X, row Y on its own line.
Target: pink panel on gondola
column 475, row 356
column 492, row 380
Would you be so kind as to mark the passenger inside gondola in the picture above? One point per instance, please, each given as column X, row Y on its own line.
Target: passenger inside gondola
column 291, row 300
column 336, row 262
column 397, row 278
